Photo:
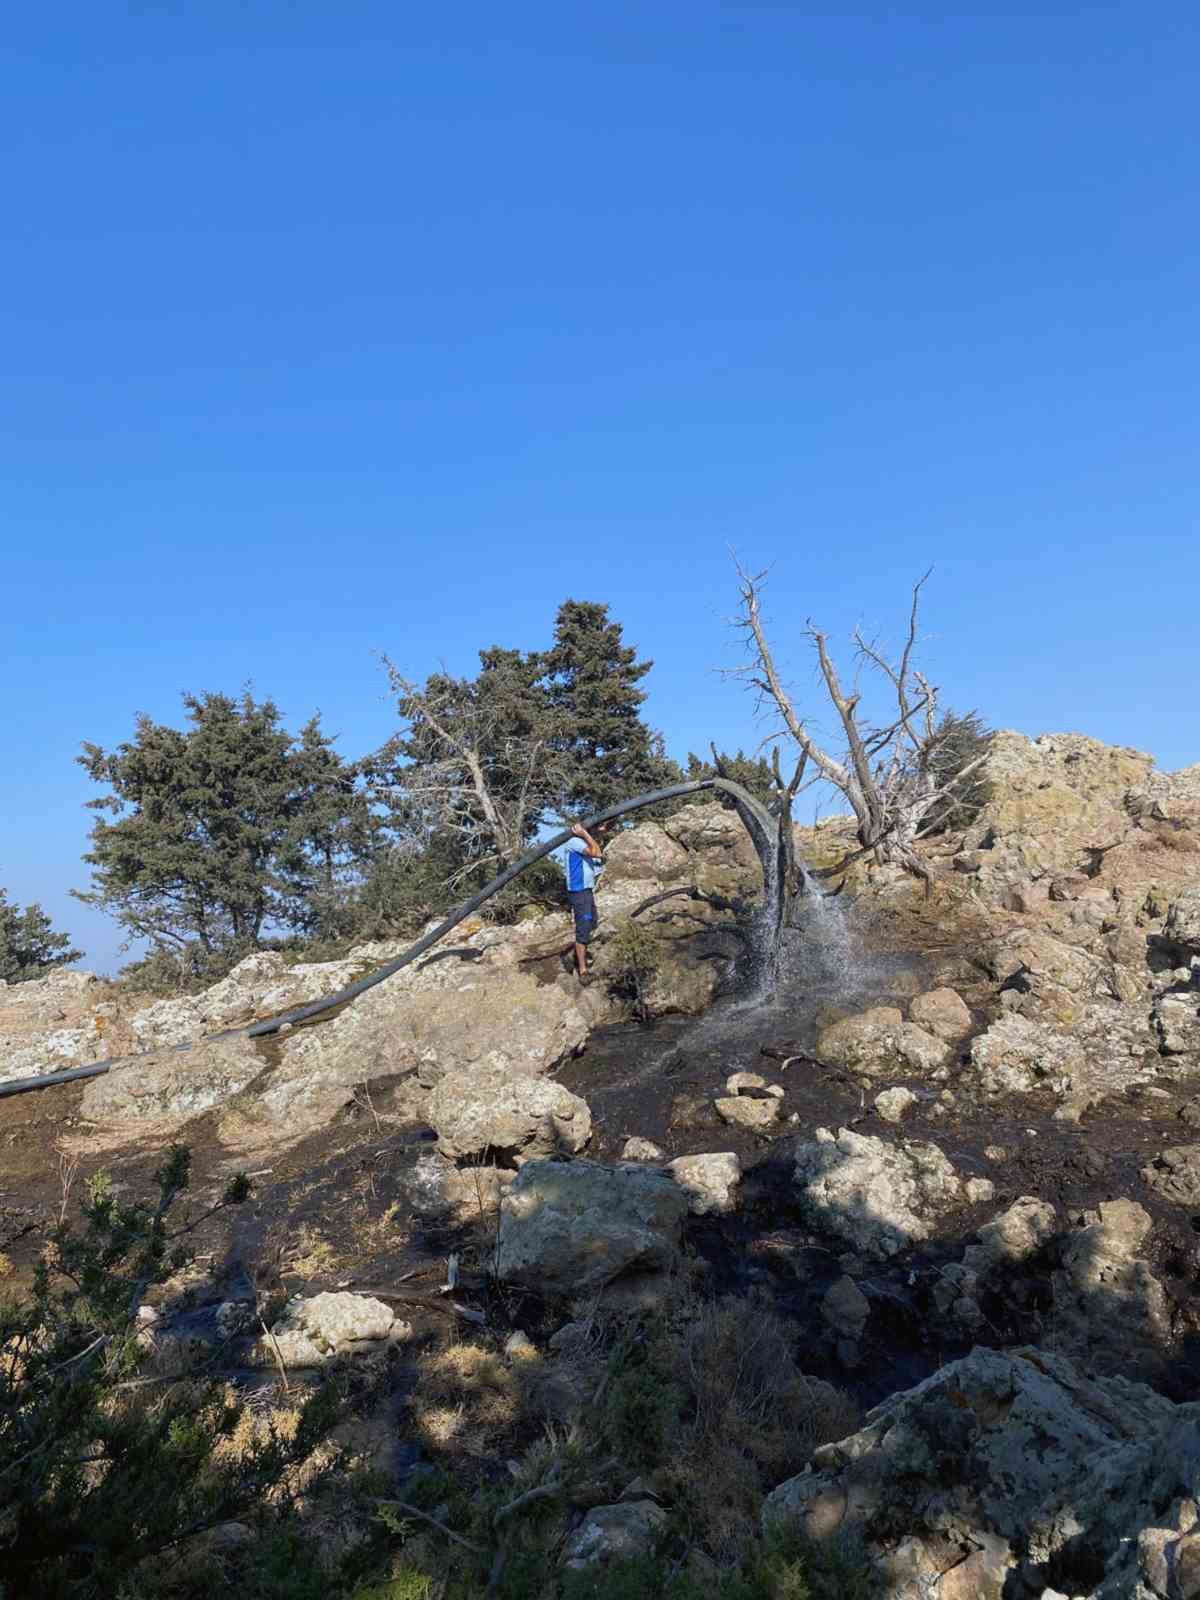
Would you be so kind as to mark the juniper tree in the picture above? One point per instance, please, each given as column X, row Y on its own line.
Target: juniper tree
column 29, row 946
column 591, row 678
column 222, row 830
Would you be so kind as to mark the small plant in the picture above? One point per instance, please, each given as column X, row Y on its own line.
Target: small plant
column 104, row 1470
column 633, row 957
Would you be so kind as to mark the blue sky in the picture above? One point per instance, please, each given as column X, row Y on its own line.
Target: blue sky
column 331, row 330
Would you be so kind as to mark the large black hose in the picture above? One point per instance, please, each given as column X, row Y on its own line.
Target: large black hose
column 757, row 820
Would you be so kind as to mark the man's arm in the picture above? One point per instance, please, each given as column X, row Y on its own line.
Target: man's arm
column 580, row 832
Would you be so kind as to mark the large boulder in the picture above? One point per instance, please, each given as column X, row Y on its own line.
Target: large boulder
column 1014, row 1473
column 569, row 1228
column 879, row 1043
column 262, row 985
column 644, row 852
column 879, row 1196
column 491, row 1015
column 173, row 1084
column 941, row 1012
column 506, row 1116
column 1110, row 1309
column 1044, row 978
column 1017, row 1056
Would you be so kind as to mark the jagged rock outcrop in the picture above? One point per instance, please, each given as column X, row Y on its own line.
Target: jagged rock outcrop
column 570, row 1228
column 1014, row 1473
column 506, row 1117
column 53, row 1023
column 172, row 1084
column 880, row 1196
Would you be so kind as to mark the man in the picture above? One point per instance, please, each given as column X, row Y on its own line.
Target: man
column 584, row 858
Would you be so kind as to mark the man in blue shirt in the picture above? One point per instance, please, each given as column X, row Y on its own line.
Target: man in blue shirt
column 583, row 861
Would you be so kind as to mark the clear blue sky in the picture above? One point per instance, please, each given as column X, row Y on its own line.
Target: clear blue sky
column 330, row 329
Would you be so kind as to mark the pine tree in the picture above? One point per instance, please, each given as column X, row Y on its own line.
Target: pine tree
column 592, row 679
column 29, row 947
column 223, row 831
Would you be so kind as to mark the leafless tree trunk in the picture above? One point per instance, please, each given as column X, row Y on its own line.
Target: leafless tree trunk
column 887, row 774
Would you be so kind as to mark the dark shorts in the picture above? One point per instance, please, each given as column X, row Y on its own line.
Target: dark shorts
column 583, row 904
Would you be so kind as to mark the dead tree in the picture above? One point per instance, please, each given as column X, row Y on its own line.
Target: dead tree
column 472, row 764
column 888, row 774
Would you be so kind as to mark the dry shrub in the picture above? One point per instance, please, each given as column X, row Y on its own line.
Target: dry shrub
column 748, row 1417
column 466, row 1398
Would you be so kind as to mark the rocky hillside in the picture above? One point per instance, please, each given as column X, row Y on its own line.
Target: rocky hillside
column 955, row 1159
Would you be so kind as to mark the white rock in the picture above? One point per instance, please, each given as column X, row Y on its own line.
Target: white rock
column 710, row 1181
column 894, row 1104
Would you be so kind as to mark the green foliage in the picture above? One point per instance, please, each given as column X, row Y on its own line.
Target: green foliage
column 958, row 741
column 101, row 1471
column 225, row 829
column 752, row 772
column 591, row 678
column 632, row 958
column 29, row 947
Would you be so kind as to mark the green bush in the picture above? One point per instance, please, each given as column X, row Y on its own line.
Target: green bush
column 632, row 959
column 105, row 1469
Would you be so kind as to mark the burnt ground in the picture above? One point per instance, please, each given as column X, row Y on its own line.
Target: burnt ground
column 333, row 1211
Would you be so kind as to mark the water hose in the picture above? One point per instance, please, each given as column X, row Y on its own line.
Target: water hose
column 760, row 824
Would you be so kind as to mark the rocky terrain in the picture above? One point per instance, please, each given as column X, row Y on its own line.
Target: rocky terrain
column 956, row 1151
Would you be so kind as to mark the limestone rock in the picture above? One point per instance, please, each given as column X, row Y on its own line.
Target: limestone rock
column 1183, row 923
column 893, row 1105
column 506, row 1116
column 745, row 1111
column 617, row 1532
column 1017, row 1056
column 644, row 852
column 1109, row 1308
column 942, row 1012
column 879, row 1043
column 1010, row 1461
column 438, row 1191
column 879, row 1196
column 568, row 1228
column 638, row 1149
column 1177, row 1023
column 1044, row 978
column 1175, row 1174
column 709, row 1181
column 173, row 1084
column 1014, row 1236
column 312, row 1331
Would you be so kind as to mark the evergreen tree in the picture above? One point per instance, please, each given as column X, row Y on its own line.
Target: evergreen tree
column 29, row 947
column 591, row 678
column 222, row 831
column 752, row 772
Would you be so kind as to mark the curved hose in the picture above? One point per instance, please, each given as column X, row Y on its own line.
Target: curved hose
column 758, row 821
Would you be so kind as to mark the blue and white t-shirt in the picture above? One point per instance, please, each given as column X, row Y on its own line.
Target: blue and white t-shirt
column 581, row 869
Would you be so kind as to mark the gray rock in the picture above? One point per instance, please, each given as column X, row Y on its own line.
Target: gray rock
column 1007, row 1463
column 1014, row 1236
column 568, row 1228
column 846, row 1308
column 638, row 1149
column 616, row 1532
column 1109, row 1308
column 879, row 1043
column 506, row 1116
column 742, row 1111
column 173, row 1084
column 942, row 1012
column 877, row 1195
column 1017, row 1056
column 893, row 1105
column 1182, row 926
column 439, row 1191
column 1175, row 1174
column 1177, row 1023
column 709, row 1181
